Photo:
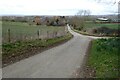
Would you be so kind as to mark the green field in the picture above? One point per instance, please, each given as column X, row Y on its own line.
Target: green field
column 0, row 27
column 96, row 25
column 18, row 29
column 104, row 57
column 99, row 29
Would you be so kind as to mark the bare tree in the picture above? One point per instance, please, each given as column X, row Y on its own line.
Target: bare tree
column 83, row 13
column 80, row 19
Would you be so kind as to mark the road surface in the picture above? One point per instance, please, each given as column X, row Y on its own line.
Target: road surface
column 59, row 62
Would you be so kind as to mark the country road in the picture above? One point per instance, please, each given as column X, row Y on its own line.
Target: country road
column 58, row 62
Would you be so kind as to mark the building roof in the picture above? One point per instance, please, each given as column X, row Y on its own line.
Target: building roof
column 103, row 19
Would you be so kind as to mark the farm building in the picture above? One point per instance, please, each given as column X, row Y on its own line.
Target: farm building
column 102, row 19
column 37, row 20
column 55, row 21
column 59, row 21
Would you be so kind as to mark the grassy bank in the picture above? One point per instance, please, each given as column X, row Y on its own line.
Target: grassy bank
column 96, row 35
column 99, row 29
column 104, row 58
column 18, row 31
column 13, row 52
column 85, row 33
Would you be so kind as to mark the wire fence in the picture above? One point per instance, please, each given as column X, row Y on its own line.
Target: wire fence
column 11, row 38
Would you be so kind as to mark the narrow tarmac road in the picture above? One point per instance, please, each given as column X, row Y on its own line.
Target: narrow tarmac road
column 58, row 62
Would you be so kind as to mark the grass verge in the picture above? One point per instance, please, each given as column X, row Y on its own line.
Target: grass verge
column 84, row 33
column 96, row 35
column 104, row 58
column 14, row 52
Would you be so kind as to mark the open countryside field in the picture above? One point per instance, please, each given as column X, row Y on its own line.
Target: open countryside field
column 99, row 29
column 97, row 25
column 0, row 28
column 22, row 31
column 0, row 23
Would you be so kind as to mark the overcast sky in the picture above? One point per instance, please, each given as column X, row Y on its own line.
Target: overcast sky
column 57, row 7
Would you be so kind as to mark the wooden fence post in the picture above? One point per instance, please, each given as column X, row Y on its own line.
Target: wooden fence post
column 9, row 36
column 38, row 34
column 55, row 34
column 47, row 35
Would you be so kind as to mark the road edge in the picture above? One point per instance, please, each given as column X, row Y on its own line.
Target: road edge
column 82, row 72
column 38, row 51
